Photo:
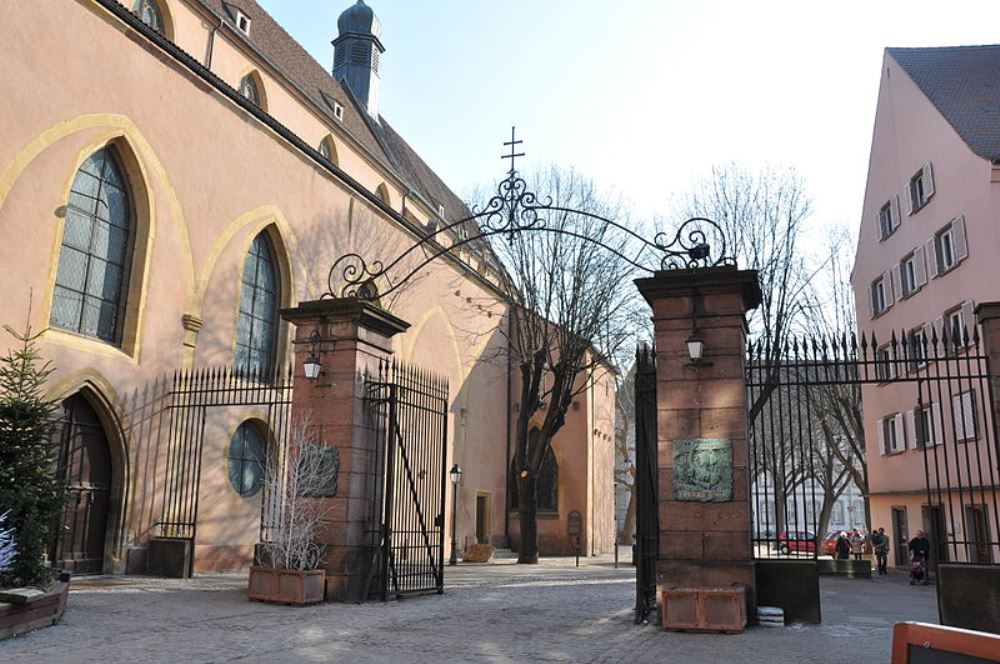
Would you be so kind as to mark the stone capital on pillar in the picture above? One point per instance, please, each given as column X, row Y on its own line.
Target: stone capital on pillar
column 350, row 337
column 705, row 543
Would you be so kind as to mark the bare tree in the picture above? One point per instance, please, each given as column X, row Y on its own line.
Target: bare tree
column 570, row 311
column 295, row 512
column 625, row 470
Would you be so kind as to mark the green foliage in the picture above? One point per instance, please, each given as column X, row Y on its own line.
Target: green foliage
column 29, row 489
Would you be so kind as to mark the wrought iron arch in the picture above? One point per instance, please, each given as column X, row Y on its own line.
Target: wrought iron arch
column 514, row 209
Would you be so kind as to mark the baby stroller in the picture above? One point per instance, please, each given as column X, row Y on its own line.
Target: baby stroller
column 918, row 570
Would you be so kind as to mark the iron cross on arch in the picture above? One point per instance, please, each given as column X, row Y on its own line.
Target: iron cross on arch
column 513, row 143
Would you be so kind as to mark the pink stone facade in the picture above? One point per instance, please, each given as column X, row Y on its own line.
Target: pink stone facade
column 926, row 256
column 205, row 179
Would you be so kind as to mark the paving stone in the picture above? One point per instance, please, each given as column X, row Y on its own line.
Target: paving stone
column 505, row 613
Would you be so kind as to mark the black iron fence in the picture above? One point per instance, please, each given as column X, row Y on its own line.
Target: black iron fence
column 193, row 396
column 931, row 425
column 408, row 415
column 647, row 520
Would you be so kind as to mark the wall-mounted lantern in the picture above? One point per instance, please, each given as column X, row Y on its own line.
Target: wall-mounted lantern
column 312, row 366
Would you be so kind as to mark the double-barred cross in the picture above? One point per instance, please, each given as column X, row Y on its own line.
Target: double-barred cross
column 513, row 143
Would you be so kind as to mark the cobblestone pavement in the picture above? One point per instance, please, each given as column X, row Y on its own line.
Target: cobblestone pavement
column 490, row 613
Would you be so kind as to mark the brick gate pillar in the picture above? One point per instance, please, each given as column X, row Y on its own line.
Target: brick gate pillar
column 705, row 572
column 353, row 337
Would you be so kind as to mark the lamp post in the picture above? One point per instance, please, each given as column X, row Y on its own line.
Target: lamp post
column 456, row 477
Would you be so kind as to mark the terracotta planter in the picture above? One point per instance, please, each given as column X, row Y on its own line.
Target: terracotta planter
column 285, row 586
column 704, row 609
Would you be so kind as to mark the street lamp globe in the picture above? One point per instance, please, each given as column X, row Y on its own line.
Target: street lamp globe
column 456, row 474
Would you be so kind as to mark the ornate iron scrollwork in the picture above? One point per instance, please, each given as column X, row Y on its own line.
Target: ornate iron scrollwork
column 691, row 246
column 514, row 209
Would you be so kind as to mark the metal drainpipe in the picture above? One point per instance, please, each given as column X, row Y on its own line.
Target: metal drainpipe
column 211, row 43
column 506, row 462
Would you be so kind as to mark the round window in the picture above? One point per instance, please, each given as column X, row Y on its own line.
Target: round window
column 247, row 460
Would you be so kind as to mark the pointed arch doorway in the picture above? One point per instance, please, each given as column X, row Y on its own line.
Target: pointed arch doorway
column 85, row 464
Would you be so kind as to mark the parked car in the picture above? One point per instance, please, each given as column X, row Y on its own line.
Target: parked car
column 796, row 541
column 830, row 543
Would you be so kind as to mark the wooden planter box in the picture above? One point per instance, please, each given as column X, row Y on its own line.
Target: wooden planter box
column 284, row 586
column 41, row 611
column 704, row 609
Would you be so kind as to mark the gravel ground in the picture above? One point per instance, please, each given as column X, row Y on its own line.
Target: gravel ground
column 554, row 612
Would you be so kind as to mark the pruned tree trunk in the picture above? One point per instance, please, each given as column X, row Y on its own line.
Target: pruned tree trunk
column 628, row 525
column 527, row 508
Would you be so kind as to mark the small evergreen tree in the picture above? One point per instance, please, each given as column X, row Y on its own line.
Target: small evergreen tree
column 30, row 494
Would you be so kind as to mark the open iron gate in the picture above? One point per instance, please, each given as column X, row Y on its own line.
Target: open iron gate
column 408, row 411
column 647, row 520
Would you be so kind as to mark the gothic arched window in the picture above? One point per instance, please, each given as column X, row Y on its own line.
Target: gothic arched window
column 257, row 328
column 328, row 150
column 548, row 478
column 149, row 12
column 89, row 296
column 250, row 90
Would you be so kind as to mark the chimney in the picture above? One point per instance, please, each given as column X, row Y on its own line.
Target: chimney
column 357, row 52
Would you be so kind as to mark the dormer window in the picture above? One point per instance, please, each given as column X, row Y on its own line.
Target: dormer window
column 338, row 111
column 242, row 22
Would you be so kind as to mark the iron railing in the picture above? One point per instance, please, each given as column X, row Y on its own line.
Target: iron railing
column 647, row 521
column 407, row 412
column 193, row 395
column 935, row 398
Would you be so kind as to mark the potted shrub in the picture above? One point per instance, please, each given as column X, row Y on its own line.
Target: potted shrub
column 288, row 566
column 31, row 497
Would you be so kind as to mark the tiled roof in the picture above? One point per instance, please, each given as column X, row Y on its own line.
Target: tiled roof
column 316, row 82
column 963, row 83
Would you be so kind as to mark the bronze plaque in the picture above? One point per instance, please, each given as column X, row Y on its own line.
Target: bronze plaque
column 703, row 470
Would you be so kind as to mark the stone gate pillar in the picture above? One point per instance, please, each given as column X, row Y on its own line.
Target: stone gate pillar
column 705, row 572
column 353, row 336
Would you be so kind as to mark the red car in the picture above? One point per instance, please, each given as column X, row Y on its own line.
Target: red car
column 830, row 543
column 796, row 541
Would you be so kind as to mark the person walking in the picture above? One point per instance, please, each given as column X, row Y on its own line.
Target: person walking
column 857, row 544
column 920, row 551
column 880, row 544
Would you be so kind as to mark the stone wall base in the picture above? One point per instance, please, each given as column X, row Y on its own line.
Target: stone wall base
column 969, row 596
column 791, row 585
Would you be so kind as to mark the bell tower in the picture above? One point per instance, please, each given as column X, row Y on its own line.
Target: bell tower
column 357, row 53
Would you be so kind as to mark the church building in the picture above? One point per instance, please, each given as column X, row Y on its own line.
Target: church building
column 174, row 174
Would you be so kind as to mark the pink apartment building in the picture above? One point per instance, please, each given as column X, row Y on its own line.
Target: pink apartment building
column 928, row 252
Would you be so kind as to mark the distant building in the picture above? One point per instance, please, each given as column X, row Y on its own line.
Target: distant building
column 927, row 254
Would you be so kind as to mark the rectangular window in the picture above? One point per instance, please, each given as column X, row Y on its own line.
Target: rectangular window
column 908, row 274
column 891, row 435
column 946, row 248
column 878, row 293
column 916, row 348
column 955, row 322
column 951, row 246
column 963, row 415
column 884, row 369
column 885, row 225
column 925, row 425
column 920, row 188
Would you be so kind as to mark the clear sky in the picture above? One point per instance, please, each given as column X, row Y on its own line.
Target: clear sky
column 644, row 95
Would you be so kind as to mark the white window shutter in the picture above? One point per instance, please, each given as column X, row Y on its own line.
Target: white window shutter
column 936, row 424
column 960, row 240
column 930, row 251
column 878, row 226
column 897, row 283
column 920, row 266
column 908, row 187
column 969, row 318
column 888, row 289
column 880, row 430
column 894, row 210
column 900, row 438
column 910, row 430
column 928, row 177
column 871, row 302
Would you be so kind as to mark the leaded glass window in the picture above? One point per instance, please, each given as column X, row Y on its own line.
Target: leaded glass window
column 248, row 88
column 324, row 149
column 149, row 13
column 256, row 329
column 547, row 486
column 247, row 460
column 89, row 293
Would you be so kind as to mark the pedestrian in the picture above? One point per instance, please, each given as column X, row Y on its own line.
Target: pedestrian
column 843, row 546
column 857, row 544
column 920, row 551
column 880, row 543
